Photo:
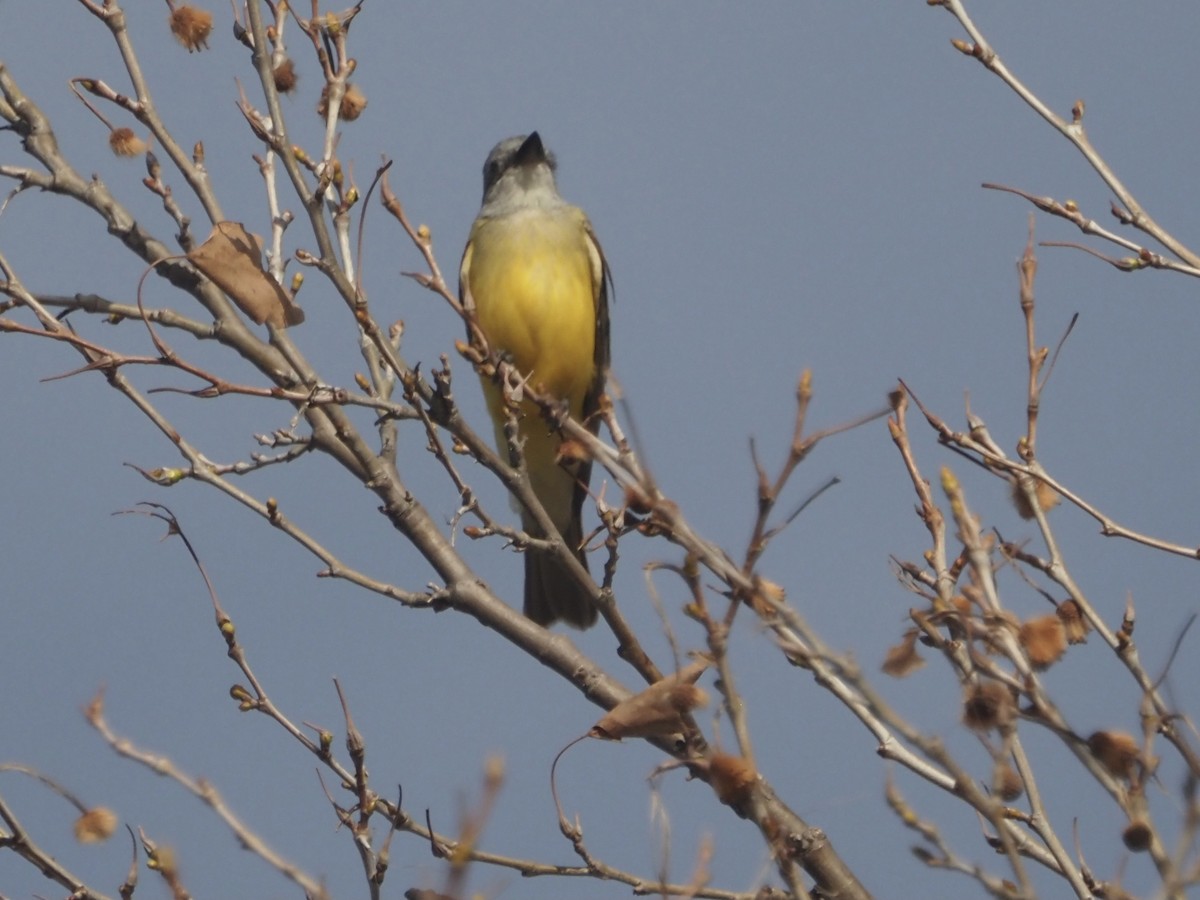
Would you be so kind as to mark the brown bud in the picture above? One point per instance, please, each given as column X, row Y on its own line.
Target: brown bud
column 989, row 705
column 191, row 27
column 1117, row 751
column 1044, row 640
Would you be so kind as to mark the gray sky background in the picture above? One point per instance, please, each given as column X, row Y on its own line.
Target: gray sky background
column 776, row 186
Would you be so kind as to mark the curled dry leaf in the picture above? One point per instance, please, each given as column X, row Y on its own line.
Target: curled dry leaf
column 903, row 659
column 231, row 258
column 657, row 711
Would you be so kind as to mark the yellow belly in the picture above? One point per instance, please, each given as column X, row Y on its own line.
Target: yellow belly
column 531, row 280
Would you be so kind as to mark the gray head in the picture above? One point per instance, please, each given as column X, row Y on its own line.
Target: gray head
column 519, row 172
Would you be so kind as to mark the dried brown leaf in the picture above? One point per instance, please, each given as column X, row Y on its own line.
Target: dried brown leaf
column 903, row 659
column 657, row 711
column 231, row 258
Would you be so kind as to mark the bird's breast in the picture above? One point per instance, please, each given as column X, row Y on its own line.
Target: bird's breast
column 535, row 297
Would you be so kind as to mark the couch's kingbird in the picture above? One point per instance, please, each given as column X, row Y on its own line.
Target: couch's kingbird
column 539, row 284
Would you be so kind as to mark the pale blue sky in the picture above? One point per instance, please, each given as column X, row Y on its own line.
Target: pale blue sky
column 776, row 187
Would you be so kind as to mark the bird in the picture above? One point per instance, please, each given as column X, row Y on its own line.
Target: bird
column 538, row 283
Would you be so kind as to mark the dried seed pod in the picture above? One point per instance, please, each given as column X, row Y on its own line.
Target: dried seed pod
column 285, row 76
column 1075, row 625
column 123, row 142
column 1044, row 640
column 1117, row 751
column 354, row 101
column 1137, row 836
column 767, row 597
column 989, row 705
column 95, row 825
column 1006, row 782
column 191, row 27
column 1047, row 499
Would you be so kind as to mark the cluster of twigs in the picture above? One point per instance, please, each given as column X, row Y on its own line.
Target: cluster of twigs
column 996, row 657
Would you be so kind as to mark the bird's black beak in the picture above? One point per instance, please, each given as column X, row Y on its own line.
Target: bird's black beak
column 531, row 152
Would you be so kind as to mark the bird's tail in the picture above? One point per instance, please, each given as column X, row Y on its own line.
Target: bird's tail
column 551, row 592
